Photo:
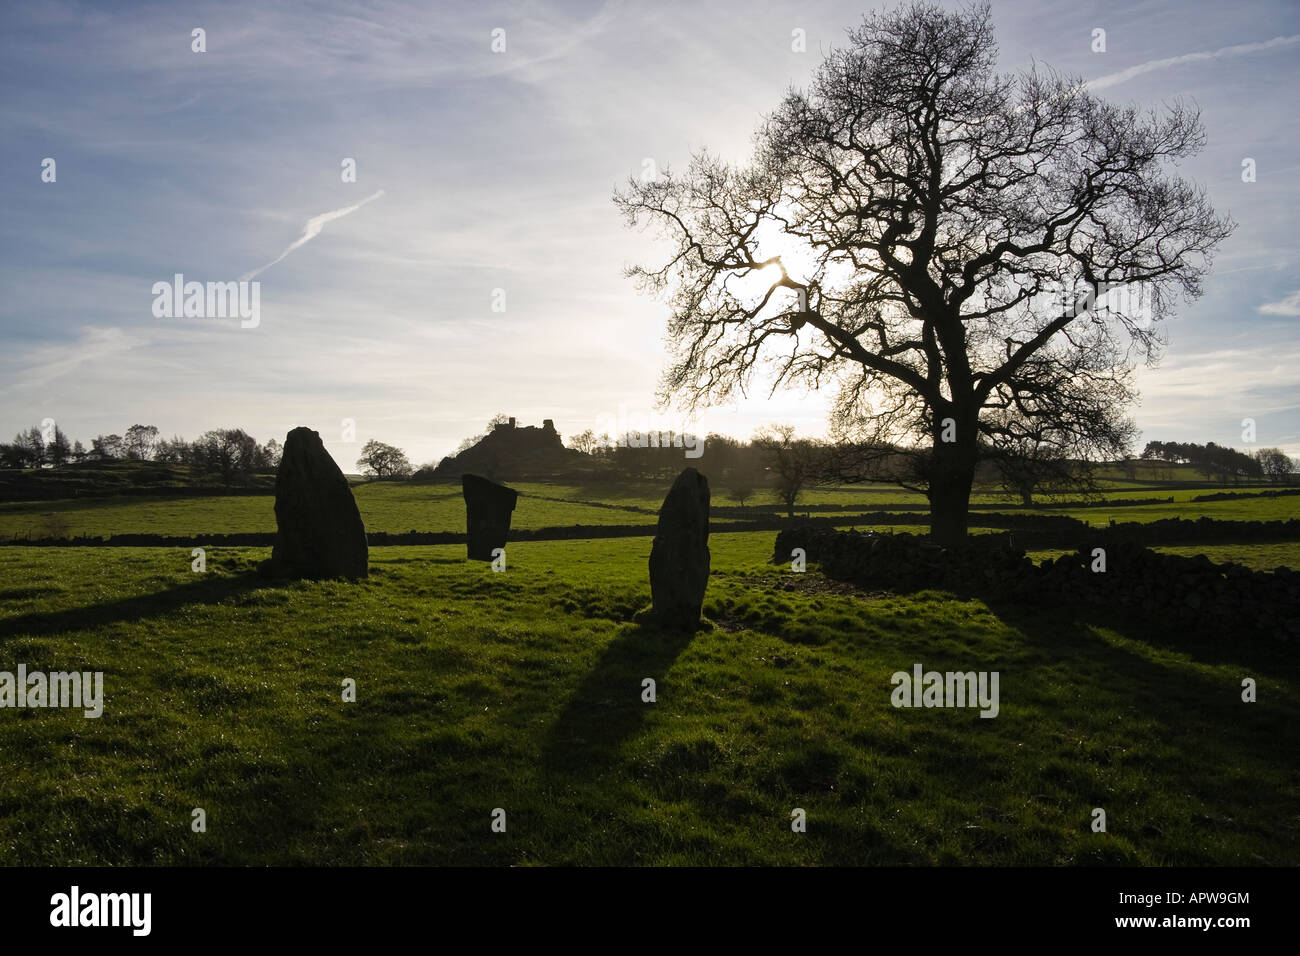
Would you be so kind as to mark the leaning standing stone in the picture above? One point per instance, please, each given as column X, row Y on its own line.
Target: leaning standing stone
column 679, row 557
column 319, row 533
column 487, row 515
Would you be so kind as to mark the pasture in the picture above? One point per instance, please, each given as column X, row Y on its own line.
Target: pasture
column 523, row 691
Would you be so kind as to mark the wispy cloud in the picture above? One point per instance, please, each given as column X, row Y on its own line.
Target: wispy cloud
column 310, row 231
column 49, row 363
column 1288, row 306
column 1241, row 49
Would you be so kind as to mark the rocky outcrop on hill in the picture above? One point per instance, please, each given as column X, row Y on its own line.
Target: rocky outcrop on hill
column 513, row 452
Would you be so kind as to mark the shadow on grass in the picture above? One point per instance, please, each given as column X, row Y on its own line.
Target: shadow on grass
column 205, row 589
column 606, row 708
column 1202, row 716
column 1263, row 652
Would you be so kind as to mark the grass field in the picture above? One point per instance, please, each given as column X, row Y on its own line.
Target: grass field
column 401, row 507
column 384, row 507
column 522, row 691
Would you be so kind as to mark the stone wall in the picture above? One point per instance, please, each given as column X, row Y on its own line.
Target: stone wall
column 1191, row 593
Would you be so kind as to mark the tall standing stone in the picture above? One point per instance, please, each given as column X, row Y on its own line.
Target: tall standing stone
column 487, row 515
column 679, row 557
column 319, row 533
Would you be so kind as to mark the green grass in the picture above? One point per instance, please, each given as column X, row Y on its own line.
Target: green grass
column 400, row 507
column 384, row 506
column 522, row 691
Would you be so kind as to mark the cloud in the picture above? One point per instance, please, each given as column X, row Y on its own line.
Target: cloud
column 1288, row 306
column 1241, row 49
column 47, row 363
column 311, row 231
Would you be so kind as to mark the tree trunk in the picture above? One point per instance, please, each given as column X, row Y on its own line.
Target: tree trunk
column 950, row 487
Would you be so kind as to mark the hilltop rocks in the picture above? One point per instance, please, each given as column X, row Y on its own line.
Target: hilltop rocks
column 487, row 515
column 679, row 557
column 511, row 452
column 319, row 533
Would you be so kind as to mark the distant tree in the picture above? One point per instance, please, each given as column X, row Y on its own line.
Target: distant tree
column 1216, row 461
column 1275, row 465
column 13, row 455
column 584, row 442
column 741, row 491
column 1213, row 461
column 56, row 525
column 58, row 450
column 467, row 443
column 793, row 461
column 172, row 451
column 1031, row 467
column 383, row 461
column 27, row 450
column 78, row 452
column 140, row 442
column 271, row 453
column 1032, row 454
column 106, row 447
column 228, row 452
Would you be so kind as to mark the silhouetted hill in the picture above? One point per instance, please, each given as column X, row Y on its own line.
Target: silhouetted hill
column 511, row 452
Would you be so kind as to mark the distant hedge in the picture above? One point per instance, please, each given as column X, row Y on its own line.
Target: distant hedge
column 1234, row 495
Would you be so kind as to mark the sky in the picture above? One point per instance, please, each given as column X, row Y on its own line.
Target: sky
column 483, row 181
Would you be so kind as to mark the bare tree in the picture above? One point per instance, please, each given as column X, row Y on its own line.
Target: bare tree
column 793, row 461
column 584, row 442
column 229, row 452
column 105, row 447
column 741, row 490
column 1275, row 464
column 1034, row 455
column 141, row 441
column 58, row 450
column 935, row 240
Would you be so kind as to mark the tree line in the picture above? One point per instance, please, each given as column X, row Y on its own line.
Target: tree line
column 1224, row 464
column 231, row 454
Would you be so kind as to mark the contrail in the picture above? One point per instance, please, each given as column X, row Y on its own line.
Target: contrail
column 310, row 231
column 1123, row 76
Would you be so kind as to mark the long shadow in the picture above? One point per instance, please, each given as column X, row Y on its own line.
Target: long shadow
column 606, row 708
column 1178, row 700
column 205, row 589
column 1265, row 653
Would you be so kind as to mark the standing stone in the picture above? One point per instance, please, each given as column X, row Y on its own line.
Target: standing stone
column 487, row 515
column 319, row 533
column 679, row 557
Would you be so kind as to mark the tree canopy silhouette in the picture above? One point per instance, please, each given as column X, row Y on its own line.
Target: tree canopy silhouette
column 938, row 242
